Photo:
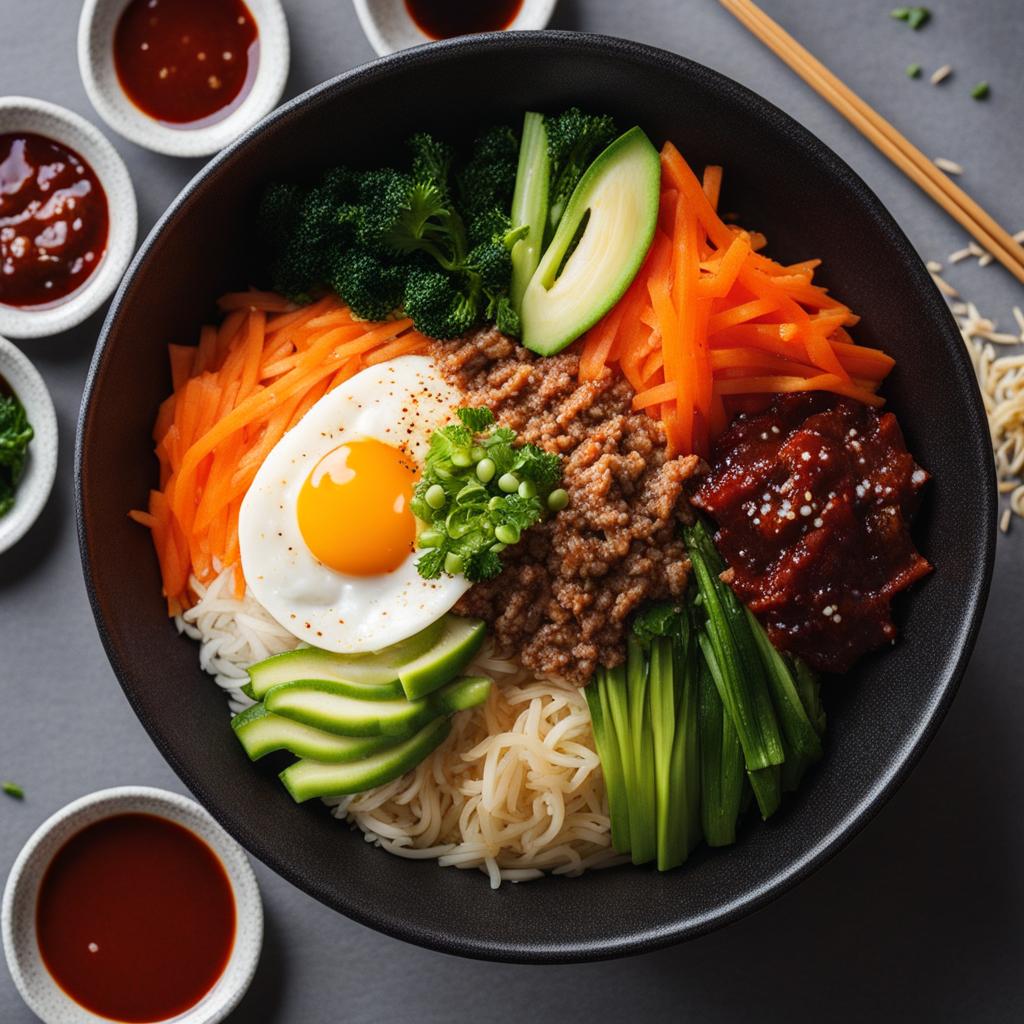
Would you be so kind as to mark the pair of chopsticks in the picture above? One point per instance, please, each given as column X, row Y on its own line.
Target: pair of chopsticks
column 904, row 154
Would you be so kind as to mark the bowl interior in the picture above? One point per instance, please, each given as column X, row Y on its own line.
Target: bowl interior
column 778, row 179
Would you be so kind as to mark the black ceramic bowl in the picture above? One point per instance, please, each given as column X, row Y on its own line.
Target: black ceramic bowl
column 779, row 179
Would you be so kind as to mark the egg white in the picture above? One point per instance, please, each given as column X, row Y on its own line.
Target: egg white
column 400, row 402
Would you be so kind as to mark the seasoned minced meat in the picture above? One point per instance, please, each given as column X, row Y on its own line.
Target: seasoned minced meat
column 568, row 587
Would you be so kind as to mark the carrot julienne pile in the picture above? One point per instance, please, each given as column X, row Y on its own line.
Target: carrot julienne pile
column 234, row 396
column 711, row 327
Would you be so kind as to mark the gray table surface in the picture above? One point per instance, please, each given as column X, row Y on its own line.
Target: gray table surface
column 920, row 918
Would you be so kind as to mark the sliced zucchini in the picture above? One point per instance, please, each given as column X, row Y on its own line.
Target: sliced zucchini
column 454, row 649
column 308, row 779
column 261, row 732
column 323, row 705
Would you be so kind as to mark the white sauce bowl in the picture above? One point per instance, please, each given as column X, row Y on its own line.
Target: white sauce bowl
column 96, row 27
column 389, row 26
column 35, row 984
column 22, row 114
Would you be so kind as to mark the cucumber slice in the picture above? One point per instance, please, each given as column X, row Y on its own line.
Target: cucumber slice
column 568, row 294
column 458, row 642
column 362, row 671
column 261, row 732
column 308, row 779
column 321, row 704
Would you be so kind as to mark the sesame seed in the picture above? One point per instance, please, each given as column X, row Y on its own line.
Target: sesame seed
column 806, row 456
column 805, row 510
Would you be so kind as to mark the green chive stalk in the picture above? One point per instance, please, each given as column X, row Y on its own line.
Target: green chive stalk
column 529, row 204
column 722, row 779
column 611, row 761
column 642, row 815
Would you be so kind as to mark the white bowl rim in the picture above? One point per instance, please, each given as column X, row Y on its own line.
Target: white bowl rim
column 71, row 129
column 222, row 998
column 118, row 111
column 532, row 15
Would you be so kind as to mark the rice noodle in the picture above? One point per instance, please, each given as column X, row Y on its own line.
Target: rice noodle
column 515, row 790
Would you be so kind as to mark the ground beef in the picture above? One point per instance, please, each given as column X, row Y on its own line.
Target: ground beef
column 564, row 597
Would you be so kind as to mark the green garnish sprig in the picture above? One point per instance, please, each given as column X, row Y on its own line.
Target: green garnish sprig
column 479, row 493
column 915, row 17
column 15, row 435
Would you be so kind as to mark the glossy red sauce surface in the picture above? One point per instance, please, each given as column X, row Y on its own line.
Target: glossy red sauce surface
column 135, row 918
column 186, row 62
column 813, row 500
column 53, row 220
column 441, row 19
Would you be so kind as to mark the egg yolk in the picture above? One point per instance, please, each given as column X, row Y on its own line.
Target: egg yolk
column 354, row 511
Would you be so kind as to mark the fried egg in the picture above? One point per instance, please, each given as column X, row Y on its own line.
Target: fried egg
column 327, row 535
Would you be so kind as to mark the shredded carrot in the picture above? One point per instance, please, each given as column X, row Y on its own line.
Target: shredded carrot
column 235, row 394
column 721, row 326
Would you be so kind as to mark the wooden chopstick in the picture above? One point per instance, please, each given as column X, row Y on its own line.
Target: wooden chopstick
column 903, row 153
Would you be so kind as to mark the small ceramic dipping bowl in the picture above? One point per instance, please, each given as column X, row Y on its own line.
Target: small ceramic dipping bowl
column 18, row 914
column 37, row 117
column 22, row 378
column 96, row 27
column 389, row 26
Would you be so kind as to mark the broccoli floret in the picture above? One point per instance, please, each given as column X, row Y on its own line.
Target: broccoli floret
column 486, row 184
column 436, row 304
column 374, row 289
column 386, row 239
column 574, row 139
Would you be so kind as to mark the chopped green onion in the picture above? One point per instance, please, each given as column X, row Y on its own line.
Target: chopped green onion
column 429, row 539
column 980, row 91
column 558, row 499
column 913, row 71
column 508, row 482
column 915, row 17
column 527, row 489
column 495, row 503
column 462, row 458
column 435, row 496
column 453, row 563
column 485, row 470
column 476, row 453
column 13, row 789
column 506, row 534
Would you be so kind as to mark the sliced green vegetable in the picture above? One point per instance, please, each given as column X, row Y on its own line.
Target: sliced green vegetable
column 611, row 763
column 529, row 204
column 913, row 71
column 308, row 779
column 13, row 789
column 744, row 690
column 325, row 705
column 455, row 647
column 261, row 732
column 767, row 786
column 663, row 726
column 372, row 676
column 722, row 778
column 643, row 828
column 582, row 275
column 980, row 91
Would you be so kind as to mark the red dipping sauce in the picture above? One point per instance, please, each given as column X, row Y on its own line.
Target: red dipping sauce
column 135, row 918
column 441, row 19
column 186, row 63
column 53, row 220
column 813, row 500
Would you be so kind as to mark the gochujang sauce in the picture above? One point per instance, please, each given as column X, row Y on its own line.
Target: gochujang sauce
column 186, row 63
column 53, row 220
column 441, row 19
column 135, row 918
column 813, row 500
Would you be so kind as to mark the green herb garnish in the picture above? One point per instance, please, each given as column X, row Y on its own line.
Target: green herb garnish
column 915, row 17
column 478, row 494
column 913, row 71
column 13, row 789
column 980, row 91
column 15, row 435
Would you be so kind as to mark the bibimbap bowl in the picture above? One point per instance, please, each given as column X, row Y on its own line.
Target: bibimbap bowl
column 779, row 179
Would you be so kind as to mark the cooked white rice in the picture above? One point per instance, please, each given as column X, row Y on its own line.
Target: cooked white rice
column 515, row 790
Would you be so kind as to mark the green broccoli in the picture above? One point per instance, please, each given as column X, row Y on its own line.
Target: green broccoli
column 433, row 241
column 574, row 139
